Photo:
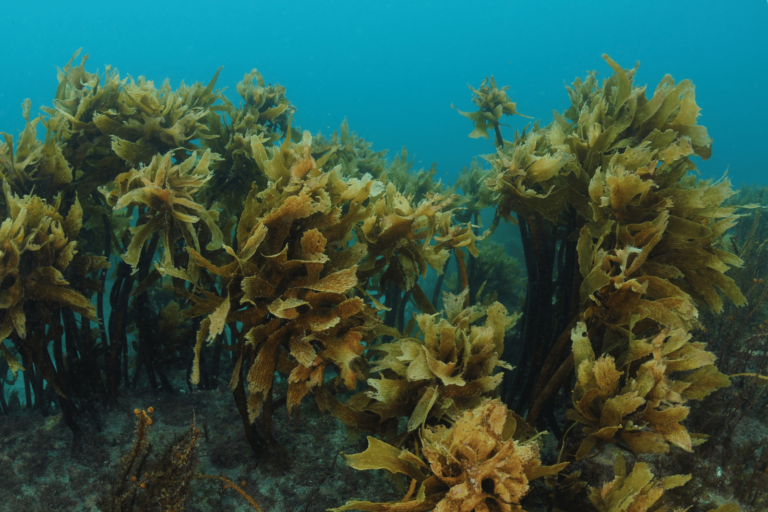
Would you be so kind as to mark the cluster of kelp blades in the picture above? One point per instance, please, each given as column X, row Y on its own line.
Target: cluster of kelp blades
column 242, row 241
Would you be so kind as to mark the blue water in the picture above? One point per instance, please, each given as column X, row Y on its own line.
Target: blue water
column 394, row 68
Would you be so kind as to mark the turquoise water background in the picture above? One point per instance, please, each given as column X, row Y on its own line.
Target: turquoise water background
column 393, row 68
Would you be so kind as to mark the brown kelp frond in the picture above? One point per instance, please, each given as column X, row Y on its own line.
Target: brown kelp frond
column 609, row 130
column 303, row 247
column 479, row 463
column 614, row 169
column 38, row 245
column 43, row 279
column 125, row 121
column 492, row 104
column 527, row 175
column 643, row 405
column 637, row 491
column 475, row 194
column 414, row 184
column 666, row 233
column 167, row 191
column 647, row 255
column 264, row 105
column 449, row 368
column 263, row 116
column 398, row 234
column 32, row 163
column 352, row 152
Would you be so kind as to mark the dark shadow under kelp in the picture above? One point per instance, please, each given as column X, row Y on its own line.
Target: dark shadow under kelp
column 168, row 239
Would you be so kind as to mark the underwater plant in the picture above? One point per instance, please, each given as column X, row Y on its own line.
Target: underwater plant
column 294, row 262
column 448, row 369
column 38, row 248
column 290, row 286
column 482, row 462
column 475, row 195
column 622, row 245
column 612, row 224
column 637, row 491
column 352, row 152
column 737, row 337
column 493, row 103
column 147, row 481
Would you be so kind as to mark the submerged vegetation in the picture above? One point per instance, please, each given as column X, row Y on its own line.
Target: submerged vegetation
column 167, row 238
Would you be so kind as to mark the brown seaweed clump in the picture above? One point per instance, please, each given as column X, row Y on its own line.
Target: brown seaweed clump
column 288, row 285
column 492, row 103
column 478, row 464
column 166, row 191
column 105, row 124
column 307, row 247
column 357, row 159
column 608, row 409
column 150, row 479
column 617, row 164
column 637, row 491
column 448, row 369
column 33, row 162
column 351, row 151
column 38, row 246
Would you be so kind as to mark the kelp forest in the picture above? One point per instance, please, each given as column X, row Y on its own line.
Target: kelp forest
column 576, row 324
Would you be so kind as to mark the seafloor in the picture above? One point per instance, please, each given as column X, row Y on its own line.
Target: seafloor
column 43, row 470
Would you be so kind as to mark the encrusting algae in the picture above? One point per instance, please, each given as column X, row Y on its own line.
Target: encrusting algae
column 308, row 260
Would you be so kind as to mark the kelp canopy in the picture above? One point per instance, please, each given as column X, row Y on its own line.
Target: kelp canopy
column 604, row 196
column 164, row 234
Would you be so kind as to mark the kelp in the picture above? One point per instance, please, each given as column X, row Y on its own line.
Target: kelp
column 302, row 256
column 264, row 113
column 398, row 236
column 492, row 103
column 167, row 191
column 448, row 369
column 37, row 250
column 736, row 337
column 106, row 124
column 32, row 163
column 352, row 152
column 637, row 491
column 305, row 245
column 483, row 462
column 475, row 196
column 416, row 184
column 625, row 244
column 38, row 247
column 647, row 410
column 617, row 163
column 646, row 253
column 288, row 283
